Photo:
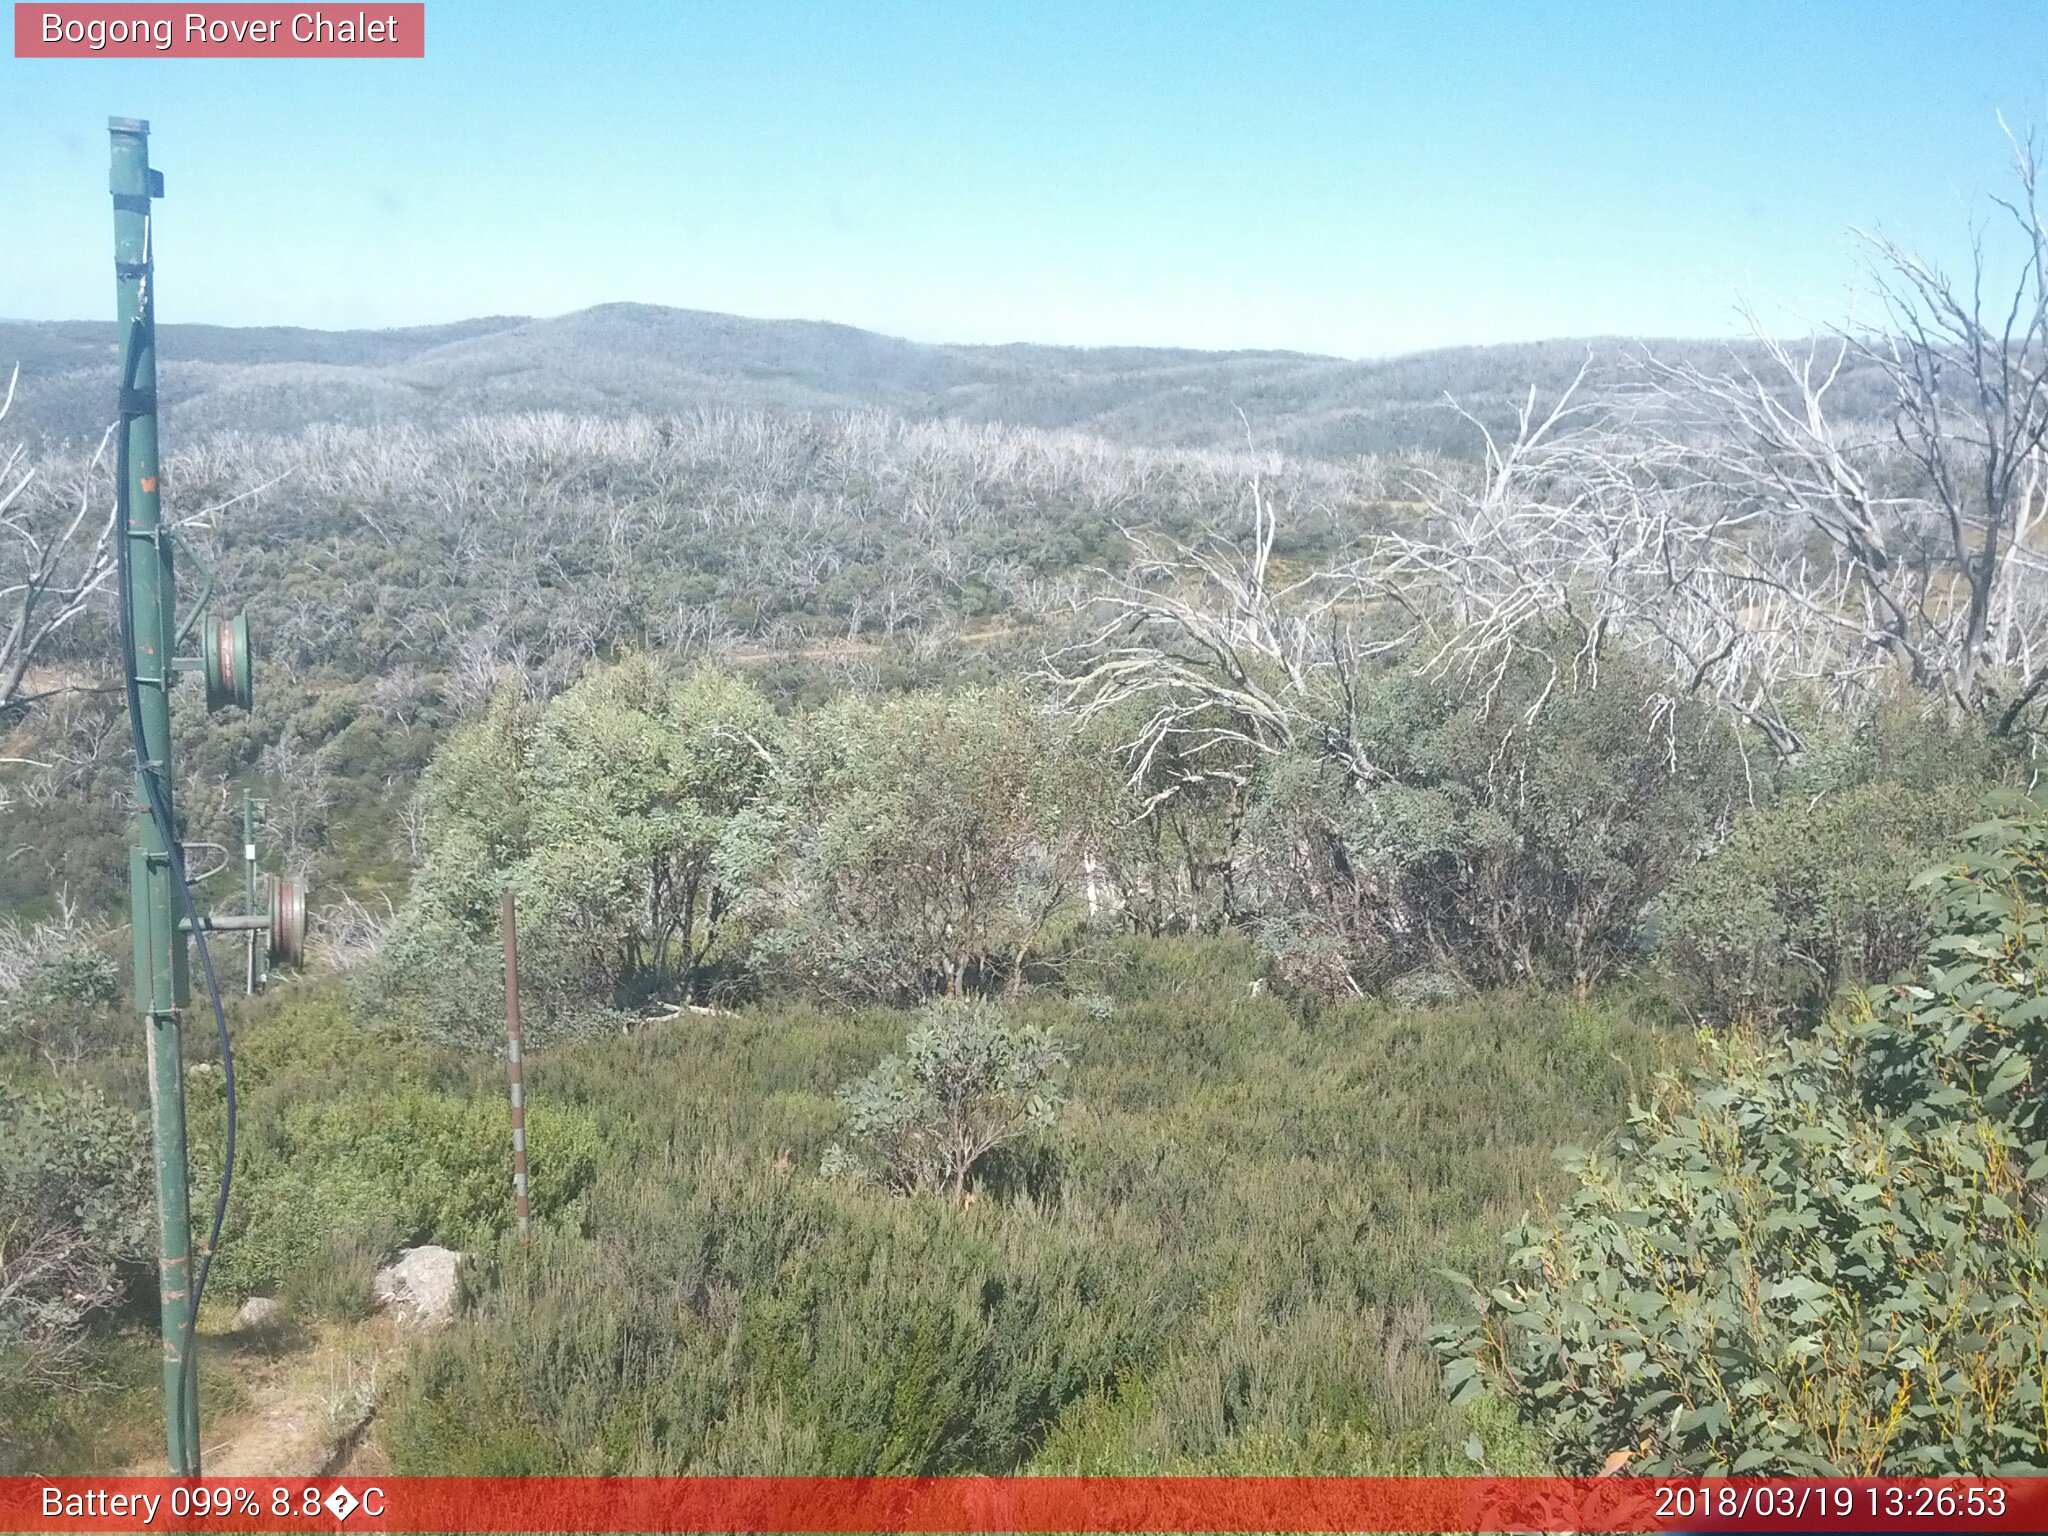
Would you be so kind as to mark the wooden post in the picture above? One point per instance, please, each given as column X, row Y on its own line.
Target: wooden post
column 515, row 1071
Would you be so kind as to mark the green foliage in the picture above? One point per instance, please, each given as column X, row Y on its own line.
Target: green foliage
column 340, row 1281
column 283, row 1219
column 1819, row 1255
column 79, row 976
column 58, row 992
column 620, row 814
column 1812, row 890
column 891, row 1337
column 354, row 1144
column 1807, row 897
column 637, row 783
column 1223, row 1261
column 819, row 541
column 1509, row 834
column 401, row 1167
column 108, row 1412
column 1218, row 1259
column 73, row 1212
column 932, row 841
column 967, row 1083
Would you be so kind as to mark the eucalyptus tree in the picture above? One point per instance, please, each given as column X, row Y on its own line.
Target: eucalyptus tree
column 930, row 843
column 1817, row 1254
column 968, row 1082
column 620, row 814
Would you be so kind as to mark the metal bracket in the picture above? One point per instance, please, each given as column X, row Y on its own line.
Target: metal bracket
column 198, row 609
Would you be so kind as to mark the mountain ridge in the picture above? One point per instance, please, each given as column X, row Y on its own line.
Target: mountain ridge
column 652, row 359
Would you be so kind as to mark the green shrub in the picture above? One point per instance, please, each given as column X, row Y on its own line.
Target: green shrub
column 283, row 1219
column 1226, row 1258
column 340, row 1283
column 621, row 814
column 1807, row 898
column 79, row 975
column 1507, row 834
column 889, row 1336
column 372, row 1172
column 74, row 1213
column 60, row 1009
column 969, row 1082
column 929, row 844
column 108, row 1413
column 1818, row 1255
column 355, row 1142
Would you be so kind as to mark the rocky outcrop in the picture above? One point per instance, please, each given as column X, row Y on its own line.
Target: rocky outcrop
column 258, row 1312
column 421, row 1286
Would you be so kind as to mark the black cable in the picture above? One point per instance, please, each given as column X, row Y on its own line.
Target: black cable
column 160, row 812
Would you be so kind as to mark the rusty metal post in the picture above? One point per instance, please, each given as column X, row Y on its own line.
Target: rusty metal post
column 249, row 882
column 515, row 1070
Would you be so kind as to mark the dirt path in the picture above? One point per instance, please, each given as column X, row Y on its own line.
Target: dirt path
column 310, row 1396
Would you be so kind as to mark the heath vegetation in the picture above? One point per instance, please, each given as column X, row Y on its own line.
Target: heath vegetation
column 1065, row 951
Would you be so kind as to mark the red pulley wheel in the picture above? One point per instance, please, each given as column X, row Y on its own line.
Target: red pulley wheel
column 287, row 923
column 228, row 664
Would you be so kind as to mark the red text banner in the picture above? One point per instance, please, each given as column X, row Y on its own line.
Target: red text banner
column 258, row 31
column 1023, row 1504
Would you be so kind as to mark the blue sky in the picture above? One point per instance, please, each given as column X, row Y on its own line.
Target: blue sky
column 1360, row 178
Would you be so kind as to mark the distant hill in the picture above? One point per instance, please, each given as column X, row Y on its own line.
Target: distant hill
column 644, row 358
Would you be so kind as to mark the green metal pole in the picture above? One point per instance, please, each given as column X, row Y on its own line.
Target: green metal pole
column 160, row 980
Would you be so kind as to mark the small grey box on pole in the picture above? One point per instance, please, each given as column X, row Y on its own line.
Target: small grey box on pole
column 515, row 1070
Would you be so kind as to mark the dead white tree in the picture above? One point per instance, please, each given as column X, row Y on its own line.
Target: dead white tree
column 1929, row 516
column 1584, row 534
column 1535, row 545
column 24, row 947
column 301, row 793
column 1761, row 541
column 56, row 553
column 1222, row 664
column 481, row 667
column 347, row 934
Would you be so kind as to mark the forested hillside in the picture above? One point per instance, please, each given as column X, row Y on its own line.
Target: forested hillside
column 636, row 358
column 1064, row 943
